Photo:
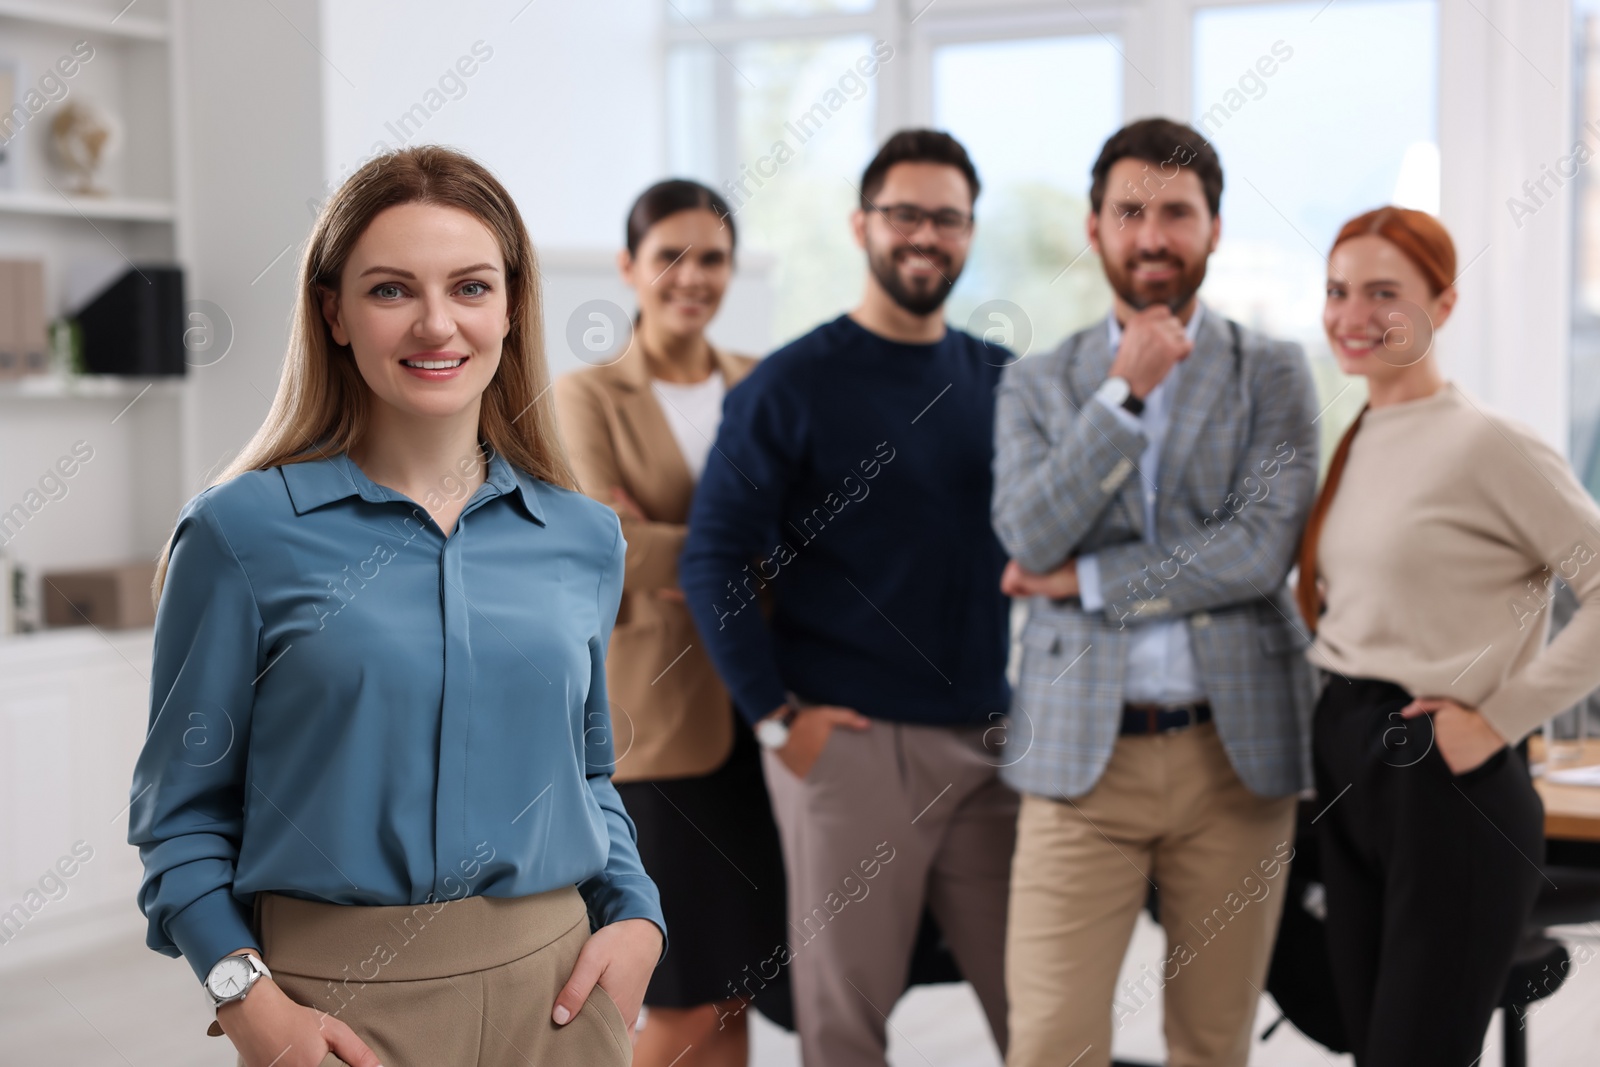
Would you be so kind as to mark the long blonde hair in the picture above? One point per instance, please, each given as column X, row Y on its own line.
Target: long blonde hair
column 321, row 407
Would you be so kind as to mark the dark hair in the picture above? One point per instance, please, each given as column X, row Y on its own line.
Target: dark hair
column 916, row 146
column 1159, row 141
column 669, row 198
column 1420, row 237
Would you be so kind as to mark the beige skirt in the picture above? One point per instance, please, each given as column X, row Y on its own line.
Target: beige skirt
column 463, row 982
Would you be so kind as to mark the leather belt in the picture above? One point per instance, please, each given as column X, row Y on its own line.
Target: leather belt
column 1161, row 718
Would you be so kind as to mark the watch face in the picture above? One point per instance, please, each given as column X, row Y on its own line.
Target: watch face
column 772, row 734
column 229, row 978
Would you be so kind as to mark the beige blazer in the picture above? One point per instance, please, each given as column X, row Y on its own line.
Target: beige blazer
column 671, row 715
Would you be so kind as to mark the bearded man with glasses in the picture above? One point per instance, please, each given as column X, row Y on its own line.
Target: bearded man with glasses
column 841, row 569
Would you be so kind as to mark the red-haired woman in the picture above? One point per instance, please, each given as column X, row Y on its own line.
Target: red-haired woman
column 1436, row 519
column 374, row 805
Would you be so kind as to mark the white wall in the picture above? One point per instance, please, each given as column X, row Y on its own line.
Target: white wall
column 250, row 77
column 566, row 110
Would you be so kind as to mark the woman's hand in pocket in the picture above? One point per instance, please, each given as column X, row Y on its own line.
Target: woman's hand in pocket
column 1464, row 738
column 620, row 957
column 267, row 1028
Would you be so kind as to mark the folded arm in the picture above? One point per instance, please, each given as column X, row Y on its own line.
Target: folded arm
column 653, row 547
column 1057, row 466
column 1242, row 549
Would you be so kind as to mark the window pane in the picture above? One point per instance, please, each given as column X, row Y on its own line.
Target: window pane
column 801, row 115
column 1032, row 114
column 1585, row 383
column 759, row 8
column 1271, row 88
column 698, row 9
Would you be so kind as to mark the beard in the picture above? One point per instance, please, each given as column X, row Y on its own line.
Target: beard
column 923, row 297
column 1175, row 292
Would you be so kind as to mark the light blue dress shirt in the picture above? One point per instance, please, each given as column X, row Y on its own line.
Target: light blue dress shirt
column 1160, row 667
column 348, row 706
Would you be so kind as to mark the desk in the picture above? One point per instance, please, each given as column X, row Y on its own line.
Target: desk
column 1571, row 812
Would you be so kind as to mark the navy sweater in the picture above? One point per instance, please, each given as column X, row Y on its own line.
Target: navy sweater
column 849, row 494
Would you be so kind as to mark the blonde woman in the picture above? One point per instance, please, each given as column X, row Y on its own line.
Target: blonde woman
column 689, row 769
column 374, row 804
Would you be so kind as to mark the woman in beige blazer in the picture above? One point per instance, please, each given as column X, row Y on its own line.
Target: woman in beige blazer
column 638, row 430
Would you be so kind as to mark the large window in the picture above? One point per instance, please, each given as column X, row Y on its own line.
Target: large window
column 782, row 127
column 779, row 104
column 1319, row 112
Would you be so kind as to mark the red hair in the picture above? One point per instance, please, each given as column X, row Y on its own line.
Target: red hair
column 1419, row 236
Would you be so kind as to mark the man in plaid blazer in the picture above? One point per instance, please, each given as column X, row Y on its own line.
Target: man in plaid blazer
column 1152, row 477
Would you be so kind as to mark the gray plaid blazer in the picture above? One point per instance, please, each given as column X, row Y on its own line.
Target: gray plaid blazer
column 1237, row 476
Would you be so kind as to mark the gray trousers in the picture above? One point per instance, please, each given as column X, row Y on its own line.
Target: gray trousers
column 890, row 819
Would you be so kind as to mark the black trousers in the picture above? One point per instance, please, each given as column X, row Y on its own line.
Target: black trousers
column 1430, row 877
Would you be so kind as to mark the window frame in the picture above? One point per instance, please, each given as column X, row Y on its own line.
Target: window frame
column 1505, row 107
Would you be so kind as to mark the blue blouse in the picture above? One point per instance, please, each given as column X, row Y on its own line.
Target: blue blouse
column 346, row 705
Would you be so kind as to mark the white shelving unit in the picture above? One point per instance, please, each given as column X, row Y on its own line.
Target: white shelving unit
column 114, row 209
column 121, row 504
column 94, row 19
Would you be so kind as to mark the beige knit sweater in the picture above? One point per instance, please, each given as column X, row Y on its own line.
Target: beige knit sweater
column 1439, row 551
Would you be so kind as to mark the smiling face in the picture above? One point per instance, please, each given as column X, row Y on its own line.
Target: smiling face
column 1380, row 313
column 917, row 265
column 1153, row 233
column 422, row 304
column 680, row 271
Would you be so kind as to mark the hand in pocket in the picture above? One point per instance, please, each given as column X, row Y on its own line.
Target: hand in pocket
column 809, row 734
column 1464, row 738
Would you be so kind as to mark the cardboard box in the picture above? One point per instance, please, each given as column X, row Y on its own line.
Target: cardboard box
column 10, row 327
column 33, row 342
column 111, row 598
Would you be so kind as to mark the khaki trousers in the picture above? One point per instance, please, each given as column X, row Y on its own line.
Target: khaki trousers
column 460, row 982
column 891, row 818
column 1169, row 811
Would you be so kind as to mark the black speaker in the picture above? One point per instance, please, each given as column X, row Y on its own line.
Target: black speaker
column 135, row 326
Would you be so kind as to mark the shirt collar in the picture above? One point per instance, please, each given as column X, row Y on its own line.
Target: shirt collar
column 1191, row 330
column 319, row 482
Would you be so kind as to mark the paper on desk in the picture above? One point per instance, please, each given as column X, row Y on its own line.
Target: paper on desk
column 1575, row 776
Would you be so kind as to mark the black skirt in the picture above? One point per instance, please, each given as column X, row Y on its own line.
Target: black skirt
column 712, row 848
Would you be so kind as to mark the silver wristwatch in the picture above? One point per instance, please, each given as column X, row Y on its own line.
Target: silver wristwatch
column 233, row 976
column 773, row 731
column 1118, row 393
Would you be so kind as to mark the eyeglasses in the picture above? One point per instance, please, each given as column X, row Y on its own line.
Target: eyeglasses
column 908, row 218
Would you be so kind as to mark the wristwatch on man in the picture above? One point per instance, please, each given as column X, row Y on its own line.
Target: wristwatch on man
column 233, row 976
column 1116, row 392
column 773, row 731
